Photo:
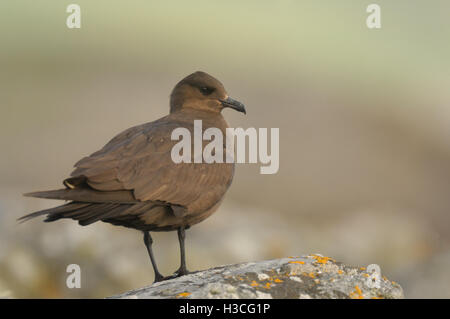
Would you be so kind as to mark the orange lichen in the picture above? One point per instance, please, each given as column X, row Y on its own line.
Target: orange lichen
column 340, row 272
column 267, row 285
column 278, row 280
column 357, row 294
column 183, row 294
column 297, row 262
column 362, row 268
column 254, row 284
column 366, row 275
column 322, row 260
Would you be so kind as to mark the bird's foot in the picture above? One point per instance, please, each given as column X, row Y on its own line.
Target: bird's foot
column 176, row 274
column 159, row 277
column 181, row 272
column 162, row 278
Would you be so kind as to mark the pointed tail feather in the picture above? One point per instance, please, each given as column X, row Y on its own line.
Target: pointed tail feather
column 53, row 212
column 53, row 194
column 86, row 195
column 84, row 213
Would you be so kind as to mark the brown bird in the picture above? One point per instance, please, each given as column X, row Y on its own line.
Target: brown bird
column 133, row 181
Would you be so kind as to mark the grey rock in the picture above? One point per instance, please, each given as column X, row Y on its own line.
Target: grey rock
column 303, row 277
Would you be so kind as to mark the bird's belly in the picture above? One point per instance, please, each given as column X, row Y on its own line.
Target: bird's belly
column 198, row 210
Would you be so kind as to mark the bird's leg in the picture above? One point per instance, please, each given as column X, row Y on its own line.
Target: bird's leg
column 148, row 243
column 181, row 236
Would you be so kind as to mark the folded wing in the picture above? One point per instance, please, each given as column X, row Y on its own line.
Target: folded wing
column 139, row 160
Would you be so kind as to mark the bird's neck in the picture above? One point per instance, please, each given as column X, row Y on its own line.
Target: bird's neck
column 208, row 118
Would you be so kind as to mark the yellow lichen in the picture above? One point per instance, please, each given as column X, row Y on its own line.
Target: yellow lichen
column 183, row 294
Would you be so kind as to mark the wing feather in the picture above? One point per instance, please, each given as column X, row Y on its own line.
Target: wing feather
column 139, row 160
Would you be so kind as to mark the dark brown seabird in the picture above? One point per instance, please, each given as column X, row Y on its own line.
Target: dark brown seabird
column 133, row 181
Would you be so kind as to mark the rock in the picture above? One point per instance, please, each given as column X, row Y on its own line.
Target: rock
column 304, row 277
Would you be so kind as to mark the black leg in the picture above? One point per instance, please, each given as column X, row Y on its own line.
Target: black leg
column 181, row 236
column 148, row 243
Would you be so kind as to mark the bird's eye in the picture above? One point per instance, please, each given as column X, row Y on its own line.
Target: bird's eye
column 206, row 90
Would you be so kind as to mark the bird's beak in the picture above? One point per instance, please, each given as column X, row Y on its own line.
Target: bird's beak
column 232, row 103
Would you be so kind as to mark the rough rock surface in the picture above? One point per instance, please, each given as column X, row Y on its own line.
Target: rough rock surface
column 304, row 277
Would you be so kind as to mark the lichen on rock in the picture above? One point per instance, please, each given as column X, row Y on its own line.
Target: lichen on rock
column 302, row 277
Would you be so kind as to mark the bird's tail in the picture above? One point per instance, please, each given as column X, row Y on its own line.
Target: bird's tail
column 55, row 212
column 84, row 213
column 87, row 195
column 52, row 194
column 86, row 205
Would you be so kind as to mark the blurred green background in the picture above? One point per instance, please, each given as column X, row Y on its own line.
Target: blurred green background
column 364, row 120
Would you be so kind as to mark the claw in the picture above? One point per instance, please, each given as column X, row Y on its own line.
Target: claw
column 181, row 272
column 159, row 278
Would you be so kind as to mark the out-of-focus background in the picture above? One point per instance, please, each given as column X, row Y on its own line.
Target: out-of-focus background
column 364, row 118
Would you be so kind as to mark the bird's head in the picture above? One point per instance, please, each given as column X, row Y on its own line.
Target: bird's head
column 201, row 91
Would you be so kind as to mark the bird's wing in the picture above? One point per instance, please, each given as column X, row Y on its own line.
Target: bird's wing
column 139, row 159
